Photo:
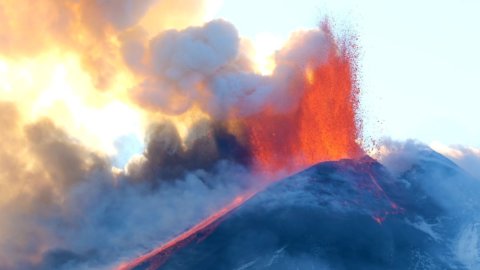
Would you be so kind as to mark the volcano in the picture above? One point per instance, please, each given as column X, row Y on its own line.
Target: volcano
column 347, row 214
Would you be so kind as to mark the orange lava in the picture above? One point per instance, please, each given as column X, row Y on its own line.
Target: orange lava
column 158, row 256
column 322, row 127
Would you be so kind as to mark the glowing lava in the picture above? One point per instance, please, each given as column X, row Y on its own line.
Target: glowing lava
column 322, row 127
column 153, row 260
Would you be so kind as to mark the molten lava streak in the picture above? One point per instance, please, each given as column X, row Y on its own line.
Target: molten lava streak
column 154, row 260
column 322, row 126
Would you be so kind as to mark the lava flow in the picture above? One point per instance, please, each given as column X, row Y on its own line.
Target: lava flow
column 158, row 256
column 322, row 126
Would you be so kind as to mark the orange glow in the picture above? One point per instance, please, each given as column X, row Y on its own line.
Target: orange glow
column 56, row 86
column 322, row 127
column 310, row 75
column 63, row 60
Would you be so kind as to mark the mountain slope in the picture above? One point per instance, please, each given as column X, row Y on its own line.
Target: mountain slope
column 350, row 214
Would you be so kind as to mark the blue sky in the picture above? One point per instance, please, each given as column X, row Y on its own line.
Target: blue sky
column 420, row 60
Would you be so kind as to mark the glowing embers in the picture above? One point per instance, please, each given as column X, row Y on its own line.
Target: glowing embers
column 323, row 126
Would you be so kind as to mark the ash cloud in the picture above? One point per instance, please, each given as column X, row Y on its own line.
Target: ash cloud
column 166, row 157
column 90, row 28
column 207, row 66
column 63, row 207
column 181, row 61
column 178, row 65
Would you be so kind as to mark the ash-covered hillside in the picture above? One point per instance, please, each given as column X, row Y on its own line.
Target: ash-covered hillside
column 350, row 214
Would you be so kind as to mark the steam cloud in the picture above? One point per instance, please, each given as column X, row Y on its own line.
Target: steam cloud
column 205, row 66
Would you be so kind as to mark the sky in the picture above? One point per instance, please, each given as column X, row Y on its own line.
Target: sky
column 419, row 62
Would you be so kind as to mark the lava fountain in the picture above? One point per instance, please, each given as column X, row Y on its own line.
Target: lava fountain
column 322, row 127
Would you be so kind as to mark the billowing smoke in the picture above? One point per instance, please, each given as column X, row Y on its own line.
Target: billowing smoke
column 205, row 66
column 64, row 208
column 77, row 75
column 89, row 26
column 166, row 158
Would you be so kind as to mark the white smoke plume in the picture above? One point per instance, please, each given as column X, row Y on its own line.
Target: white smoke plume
column 206, row 66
